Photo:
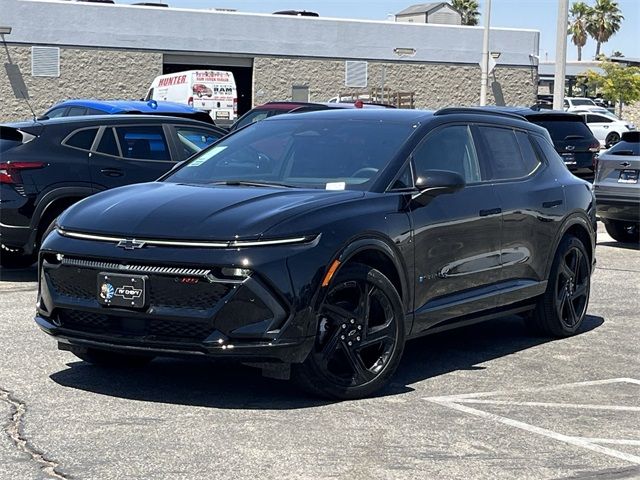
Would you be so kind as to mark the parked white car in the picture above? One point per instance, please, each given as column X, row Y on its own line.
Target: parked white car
column 607, row 128
column 571, row 104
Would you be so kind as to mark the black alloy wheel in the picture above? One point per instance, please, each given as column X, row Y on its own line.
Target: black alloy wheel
column 572, row 288
column 360, row 336
column 561, row 310
column 611, row 139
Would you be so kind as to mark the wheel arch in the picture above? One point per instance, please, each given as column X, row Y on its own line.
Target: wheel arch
column 580, row 227
column 52, row 205
column 379, row 254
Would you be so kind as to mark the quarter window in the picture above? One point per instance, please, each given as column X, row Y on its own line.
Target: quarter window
column 450, row 148
column 144, row 143
column 509, row 156
column 83, row 139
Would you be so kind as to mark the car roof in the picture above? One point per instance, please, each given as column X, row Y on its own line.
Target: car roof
column 531, row 113
column 390, row 114
column 110, row 119
column 122, row 106
column 284, row 105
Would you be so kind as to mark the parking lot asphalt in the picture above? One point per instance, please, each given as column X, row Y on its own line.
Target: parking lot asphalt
column 484, row 402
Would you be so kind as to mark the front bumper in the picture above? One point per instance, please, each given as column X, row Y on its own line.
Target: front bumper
column 256, row 351
column 192, row 310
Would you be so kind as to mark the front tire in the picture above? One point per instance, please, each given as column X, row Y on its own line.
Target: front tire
column 106, row 358
column 625, row 232
column 10, row 258
column 560, row 311
column 360, row 336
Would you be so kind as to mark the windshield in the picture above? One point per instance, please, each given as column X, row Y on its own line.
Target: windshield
column 311, row 153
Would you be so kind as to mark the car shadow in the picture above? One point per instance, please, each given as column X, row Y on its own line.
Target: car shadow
column 628, row 246
column 28, row 274
column 232, row 386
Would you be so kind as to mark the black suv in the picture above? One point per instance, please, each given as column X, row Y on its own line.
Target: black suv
column 572, row 138
column 46, row 166
column 315, row 244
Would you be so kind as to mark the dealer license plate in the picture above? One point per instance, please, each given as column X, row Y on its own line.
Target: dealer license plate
column 569, row 158
column 628, row 176
column 118, row 290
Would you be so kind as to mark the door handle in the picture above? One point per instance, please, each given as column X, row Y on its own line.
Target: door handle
column 490, row 211
column 112, row 172
column 551, row 204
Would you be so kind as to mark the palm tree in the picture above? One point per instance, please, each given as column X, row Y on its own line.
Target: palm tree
column 468, row 9
column 604, row 21
column 580, row 13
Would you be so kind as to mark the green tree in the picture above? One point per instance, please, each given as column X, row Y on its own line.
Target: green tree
column 469, row 11
column 619, row 83
column 580, row 13
column 604, row 21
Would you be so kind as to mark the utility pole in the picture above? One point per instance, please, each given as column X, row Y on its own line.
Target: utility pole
column 561, row 55
column 484, row 67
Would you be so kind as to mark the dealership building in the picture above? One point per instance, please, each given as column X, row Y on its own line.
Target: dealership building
column 69, row 49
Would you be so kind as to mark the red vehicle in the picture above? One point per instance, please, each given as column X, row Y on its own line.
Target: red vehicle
column 200, row 90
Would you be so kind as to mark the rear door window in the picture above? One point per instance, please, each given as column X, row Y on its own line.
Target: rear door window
column 143, row 143
column 108, row 144
column 598, row 119
column 76, row 112
column 510, row 156
column 82, row 139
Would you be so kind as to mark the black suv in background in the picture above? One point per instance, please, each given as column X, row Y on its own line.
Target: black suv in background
column 572, row 139
column 48, row 165
column 316, row 243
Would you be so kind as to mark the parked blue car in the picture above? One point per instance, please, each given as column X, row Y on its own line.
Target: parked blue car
column 79, row 107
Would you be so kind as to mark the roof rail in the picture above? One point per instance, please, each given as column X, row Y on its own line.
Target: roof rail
column 477, row 111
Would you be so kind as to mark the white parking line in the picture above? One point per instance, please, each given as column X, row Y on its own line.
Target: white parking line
column 613, row 441
column 458, row 402
column 538, row 389
column 552, row 405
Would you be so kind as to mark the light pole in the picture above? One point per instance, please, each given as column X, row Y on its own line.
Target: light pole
column 484, row 67
column 561, row 55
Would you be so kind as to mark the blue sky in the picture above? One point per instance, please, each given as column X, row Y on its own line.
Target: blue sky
column 534, row 14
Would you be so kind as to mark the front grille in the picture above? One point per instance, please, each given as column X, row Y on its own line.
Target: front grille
column 167, row 292
column 74, row 282
column 164, row 289
column 174, row 331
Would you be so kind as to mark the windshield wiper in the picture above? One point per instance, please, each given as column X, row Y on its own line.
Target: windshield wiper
column 573, row 137
column 245, row 183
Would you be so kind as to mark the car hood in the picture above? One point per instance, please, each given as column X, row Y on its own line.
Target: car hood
column 194, row 212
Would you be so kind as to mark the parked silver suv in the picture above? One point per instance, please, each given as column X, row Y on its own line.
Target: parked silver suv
column 617, row 188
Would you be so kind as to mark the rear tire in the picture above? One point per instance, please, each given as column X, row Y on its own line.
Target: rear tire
column 360, row 336
column 611, row 139
column 561, row 309
column 106, row 358
column 625, row 232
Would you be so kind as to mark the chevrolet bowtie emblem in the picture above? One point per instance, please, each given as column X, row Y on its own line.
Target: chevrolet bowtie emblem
column 130, row 244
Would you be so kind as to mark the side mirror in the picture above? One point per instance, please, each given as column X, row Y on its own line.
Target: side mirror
column 432, row 183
